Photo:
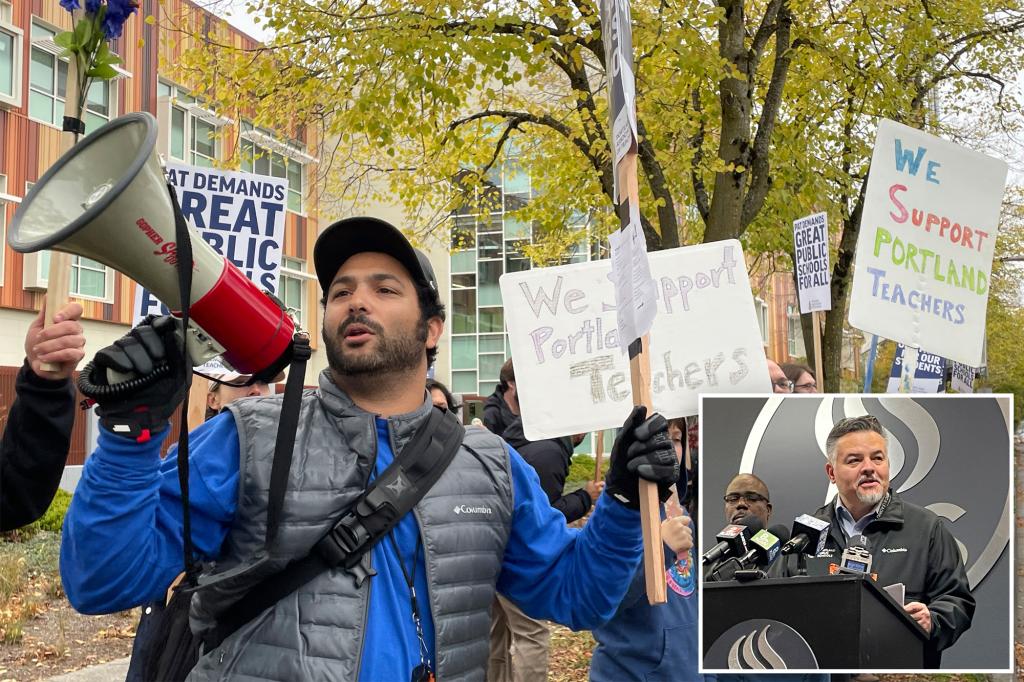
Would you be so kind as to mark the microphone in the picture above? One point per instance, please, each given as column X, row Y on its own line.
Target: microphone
column 856, row 557
column 733, row 539
column 809, row 536
column 764, row 548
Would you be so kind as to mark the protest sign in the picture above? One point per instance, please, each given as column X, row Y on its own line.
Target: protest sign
column 571, row 375
column 810, row 244
column 926, row 242
column 928, row 377
column 241, row 215
column 962, row 380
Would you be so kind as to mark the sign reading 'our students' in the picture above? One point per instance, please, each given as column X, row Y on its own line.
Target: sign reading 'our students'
column 927, row 237
column 571, row 375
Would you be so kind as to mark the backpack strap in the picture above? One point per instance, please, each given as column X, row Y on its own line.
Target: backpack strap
column 390, row 497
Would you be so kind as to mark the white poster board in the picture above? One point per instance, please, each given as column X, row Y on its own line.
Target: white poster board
column 241, row 215
column 810, row 244
column 927, row 236
column 571, row 376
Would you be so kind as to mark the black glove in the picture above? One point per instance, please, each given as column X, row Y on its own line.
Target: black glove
column 642, row 450
column 140, row 406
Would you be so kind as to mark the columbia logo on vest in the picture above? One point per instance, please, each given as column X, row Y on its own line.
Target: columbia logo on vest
column 891, row 550
column 466, row 509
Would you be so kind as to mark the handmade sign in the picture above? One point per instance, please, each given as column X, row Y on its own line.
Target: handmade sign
column 927, row 235
column 571, row 375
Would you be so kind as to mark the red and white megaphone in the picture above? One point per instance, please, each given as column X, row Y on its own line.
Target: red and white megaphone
column 107, row 199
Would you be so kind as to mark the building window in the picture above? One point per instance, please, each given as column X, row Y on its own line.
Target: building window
column 10, row 57
column 48, row 76
column 488, row 240
column 761, row 310
column 89, row 278
column 292, row 288
column 192, row 131
column 265, row 155
column 795, row 332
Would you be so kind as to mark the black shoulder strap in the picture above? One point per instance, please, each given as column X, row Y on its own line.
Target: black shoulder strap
column 371, row 517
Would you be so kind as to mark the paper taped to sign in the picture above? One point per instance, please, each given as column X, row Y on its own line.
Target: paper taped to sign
column 571, row 375
column 810, row 242
column 927, row 236
column 631, row 274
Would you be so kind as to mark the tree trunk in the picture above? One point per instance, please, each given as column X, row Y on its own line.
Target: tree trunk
column 842, row 275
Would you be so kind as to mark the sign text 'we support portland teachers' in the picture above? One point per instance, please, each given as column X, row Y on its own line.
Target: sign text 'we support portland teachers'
column 240, row 215
column 927, row 237
column 571, row 374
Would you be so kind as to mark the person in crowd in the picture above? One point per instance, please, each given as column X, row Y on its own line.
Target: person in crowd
column 802, row 378
column 441, row 396
column 502, row 407
column 641, row 642
column 227, row 387
column 520, row 644
column 780, row 382
column 37, row 435
column 484, row 527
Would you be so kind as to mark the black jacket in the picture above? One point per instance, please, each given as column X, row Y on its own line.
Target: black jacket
column 34, row 447
column 497, row 414
column 550, row 459
column 910, row 545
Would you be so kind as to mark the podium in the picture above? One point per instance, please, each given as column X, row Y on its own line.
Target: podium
column 848, row 622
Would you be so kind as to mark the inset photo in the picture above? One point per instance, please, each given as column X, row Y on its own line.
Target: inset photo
column 845, row 533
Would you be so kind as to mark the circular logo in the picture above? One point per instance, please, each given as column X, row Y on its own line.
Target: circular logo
column 760, row 644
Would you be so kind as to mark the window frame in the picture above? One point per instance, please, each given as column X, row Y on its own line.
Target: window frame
column 257, row 145
column 48, row 47
column 17, row 35
column 299, row 275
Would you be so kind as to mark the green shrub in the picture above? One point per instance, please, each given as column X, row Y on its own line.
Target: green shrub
column 582, row 469
column 53, row 519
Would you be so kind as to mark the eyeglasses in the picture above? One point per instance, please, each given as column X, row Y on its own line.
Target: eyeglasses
column 784, row 384
column 751, row 497
column 810, row 387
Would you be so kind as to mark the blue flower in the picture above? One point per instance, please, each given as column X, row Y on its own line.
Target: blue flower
column 118, row 12
column 91, row 6
column 69, row 5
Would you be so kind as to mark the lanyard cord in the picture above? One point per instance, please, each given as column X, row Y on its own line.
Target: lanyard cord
column 410, row 580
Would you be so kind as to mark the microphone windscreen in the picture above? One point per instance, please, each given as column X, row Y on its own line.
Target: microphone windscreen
column 781, row 532
column 752, row 522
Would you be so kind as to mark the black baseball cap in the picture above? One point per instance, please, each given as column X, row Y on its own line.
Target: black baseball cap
column 347, row 237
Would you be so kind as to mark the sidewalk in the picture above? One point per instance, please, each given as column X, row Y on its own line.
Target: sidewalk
column 114, row 671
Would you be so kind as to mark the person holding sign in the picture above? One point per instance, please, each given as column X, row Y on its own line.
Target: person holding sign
column 802, row 378
column 482, row 526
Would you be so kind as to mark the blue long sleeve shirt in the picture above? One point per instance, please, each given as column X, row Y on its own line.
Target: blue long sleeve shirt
column 122, row 543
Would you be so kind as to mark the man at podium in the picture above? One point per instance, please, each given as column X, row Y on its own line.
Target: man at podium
column 908, row 544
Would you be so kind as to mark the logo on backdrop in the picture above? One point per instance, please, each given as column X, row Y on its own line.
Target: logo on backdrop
column 760, row 644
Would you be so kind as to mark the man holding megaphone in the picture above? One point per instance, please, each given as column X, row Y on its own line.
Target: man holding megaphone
column 394, row 526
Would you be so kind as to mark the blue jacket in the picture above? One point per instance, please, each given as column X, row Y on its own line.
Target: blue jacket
column 652, row 643
column 122, row 543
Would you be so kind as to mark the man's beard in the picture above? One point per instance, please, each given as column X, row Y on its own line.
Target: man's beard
column 870, row 498
column 393, row 353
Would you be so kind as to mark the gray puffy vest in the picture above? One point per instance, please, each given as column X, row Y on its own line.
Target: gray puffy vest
column 317, row 632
